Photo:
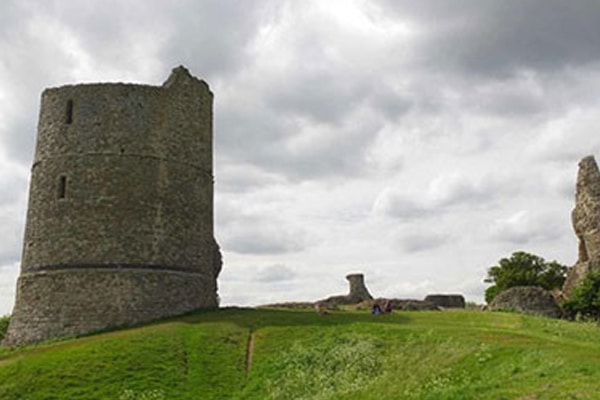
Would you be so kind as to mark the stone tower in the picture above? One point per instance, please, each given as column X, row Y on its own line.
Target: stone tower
column 586, row 223
column 120, row 218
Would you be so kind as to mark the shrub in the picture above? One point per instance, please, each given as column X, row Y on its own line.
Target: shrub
column 585, row 300
column 491, row 292
column 4, row 325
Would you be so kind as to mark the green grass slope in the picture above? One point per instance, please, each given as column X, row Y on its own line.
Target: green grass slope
column 301, row 355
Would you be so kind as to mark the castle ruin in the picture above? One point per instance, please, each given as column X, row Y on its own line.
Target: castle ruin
column 120, row 218
column 586, row 223
column 358, row 293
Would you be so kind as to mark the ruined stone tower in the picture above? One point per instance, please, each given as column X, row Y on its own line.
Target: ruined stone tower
column 120, row 218
column 358, row 290
column 586, row 223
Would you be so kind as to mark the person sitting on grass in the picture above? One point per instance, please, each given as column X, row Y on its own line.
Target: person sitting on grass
column 376, row 309
column 321, row 308
column 387, row 308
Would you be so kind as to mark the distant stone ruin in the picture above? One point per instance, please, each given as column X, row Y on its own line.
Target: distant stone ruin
column 531, row 300
column 358, row 290
column 446, row 300
column 401, row 304
column 360, row 298
column 358, row 293
column 586, row 223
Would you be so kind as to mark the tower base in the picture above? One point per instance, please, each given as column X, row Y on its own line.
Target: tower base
column 73, row 302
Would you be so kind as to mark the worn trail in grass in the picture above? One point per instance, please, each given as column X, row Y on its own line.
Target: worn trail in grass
column 275, row 354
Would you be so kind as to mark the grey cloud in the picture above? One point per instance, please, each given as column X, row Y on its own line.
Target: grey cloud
column 245, row 127
column 568, row 138
column 389, row 102
column 275, row 273
column 413, row 242
column 258, row 232
column 11, row 231
column 472, row 289
column 51, row 41
column 273, row 106
column 513, row 97
column 292, row 148
column 13, row 200
column 19, row 136
column 564, row 184
column 393, row 204
column 499, row 37
column 344, row 153
column 523, row 228
column 10, row 250
column 8, row 278
column 11, row 27
column 14, row 182
column 319, row 95
column 227, row 27
column 243, row 178
column 453, row 189
column 20, row 81
column 114, row 35
column 319, row 76
column 446, row 192
column 302, row 96
column 263, row 240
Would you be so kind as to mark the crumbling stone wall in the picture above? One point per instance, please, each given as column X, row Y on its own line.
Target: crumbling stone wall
column 586, row 223
column 120, row 218
column 446, row 300
column 531, row 300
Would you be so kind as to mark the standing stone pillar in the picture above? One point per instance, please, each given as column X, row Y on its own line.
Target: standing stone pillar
column 586, row 223
column 358, row 290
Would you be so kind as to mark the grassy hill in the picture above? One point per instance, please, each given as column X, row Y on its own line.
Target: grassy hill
column 275, row 354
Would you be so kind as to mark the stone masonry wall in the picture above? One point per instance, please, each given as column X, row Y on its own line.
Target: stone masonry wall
column 74, row 302
column 137, row 168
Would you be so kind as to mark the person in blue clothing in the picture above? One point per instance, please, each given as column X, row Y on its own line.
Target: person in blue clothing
column 376, row 309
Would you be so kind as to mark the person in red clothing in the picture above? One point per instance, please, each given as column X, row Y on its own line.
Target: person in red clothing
column 387, row 308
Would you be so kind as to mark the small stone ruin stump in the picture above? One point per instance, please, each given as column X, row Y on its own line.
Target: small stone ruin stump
column 358, row 293
column 358, row 290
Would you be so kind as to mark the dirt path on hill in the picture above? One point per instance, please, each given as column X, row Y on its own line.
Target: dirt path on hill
column 249, row 351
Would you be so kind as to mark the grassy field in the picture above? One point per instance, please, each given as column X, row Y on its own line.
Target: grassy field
column 301, row 355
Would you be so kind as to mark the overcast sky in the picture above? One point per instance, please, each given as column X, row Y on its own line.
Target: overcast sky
column 415, row 141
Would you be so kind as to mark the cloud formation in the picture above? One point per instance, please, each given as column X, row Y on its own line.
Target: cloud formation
column 416, row 141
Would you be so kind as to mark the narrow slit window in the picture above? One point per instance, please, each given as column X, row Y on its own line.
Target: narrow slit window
column 69, row 115
column 62, row 187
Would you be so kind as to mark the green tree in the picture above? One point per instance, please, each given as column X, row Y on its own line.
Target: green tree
column 524, row 269
column 585, row 299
